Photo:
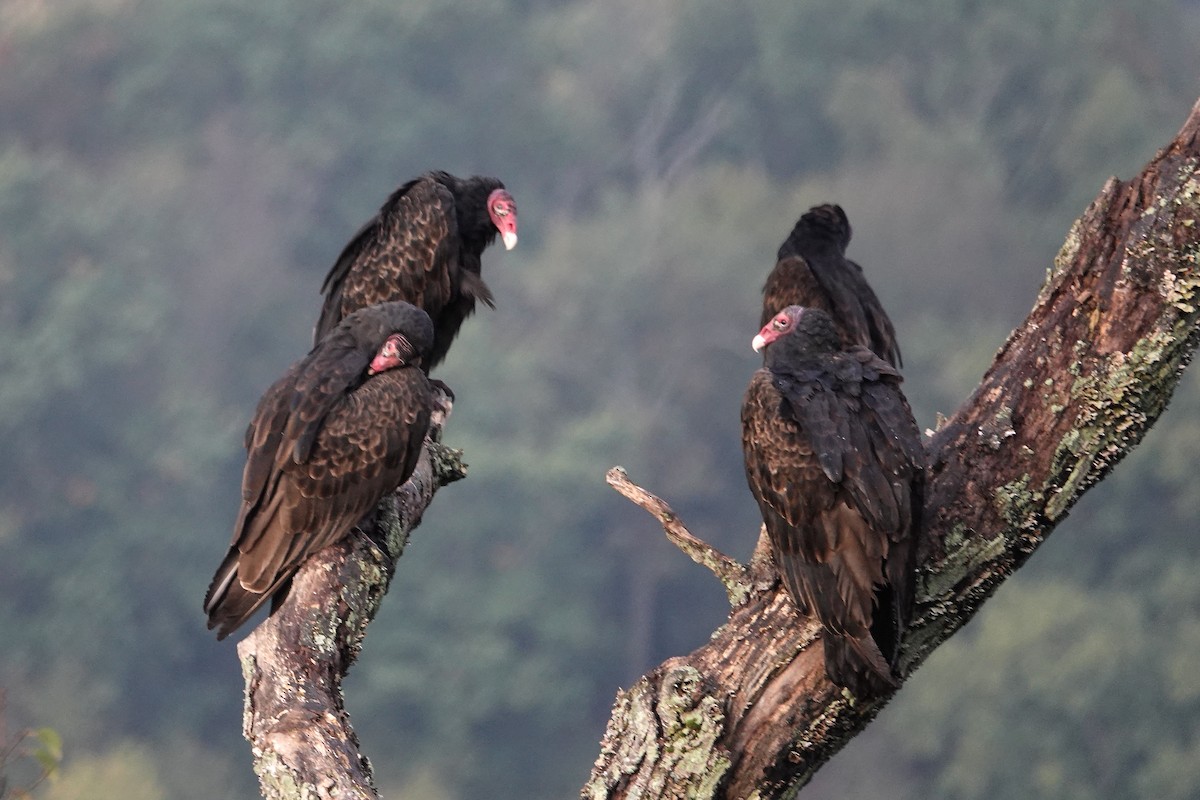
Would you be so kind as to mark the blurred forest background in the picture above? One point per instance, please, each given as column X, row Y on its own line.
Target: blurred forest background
column 176, row 176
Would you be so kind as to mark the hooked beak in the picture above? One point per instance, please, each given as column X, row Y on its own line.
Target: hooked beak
column 759, row 343
column 503, row 212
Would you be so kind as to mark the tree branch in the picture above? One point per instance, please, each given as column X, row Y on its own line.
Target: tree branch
column 294, row 662
column 729, row 572
column 1072, row 391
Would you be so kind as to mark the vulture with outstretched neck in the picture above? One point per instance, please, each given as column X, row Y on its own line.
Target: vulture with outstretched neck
column 835, row 461
column 812, row 270
column 424, row 247
column 332, row 437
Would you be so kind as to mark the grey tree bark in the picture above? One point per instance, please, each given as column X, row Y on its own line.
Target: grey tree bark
column 751, row 713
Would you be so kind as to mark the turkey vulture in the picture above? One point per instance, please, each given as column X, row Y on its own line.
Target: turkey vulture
column 812, row 270
column 329, row 440
column 834, row 459
column 424, row 247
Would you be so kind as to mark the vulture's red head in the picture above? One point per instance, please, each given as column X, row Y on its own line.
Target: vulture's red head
column 503, row 211
column 393, row 334
column 396, row 352
column 781, row 324
column 811, row 331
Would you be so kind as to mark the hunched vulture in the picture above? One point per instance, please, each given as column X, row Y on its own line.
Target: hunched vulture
column 812, row 270
column 835, row 461
column 424, row 247
column 332, row 437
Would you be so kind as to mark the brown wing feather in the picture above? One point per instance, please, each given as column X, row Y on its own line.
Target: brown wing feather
column 409, row 251
column 813, row 271
column 880, row 333
column 835, row 462
column 319, row 383
column 287, row 420
column 901, row 456
column 263, row 440
column 792, row 283
column 367, row 445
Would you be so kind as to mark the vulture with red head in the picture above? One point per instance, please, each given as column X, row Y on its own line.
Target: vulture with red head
column 835, row 461
column 342, row 429
column 812, row 270
column 423, row 247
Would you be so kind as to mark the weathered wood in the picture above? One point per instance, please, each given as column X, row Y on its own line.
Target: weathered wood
column 1073, row 390
column 294, row 662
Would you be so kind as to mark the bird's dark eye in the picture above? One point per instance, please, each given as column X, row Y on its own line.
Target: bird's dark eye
column 780, row 323
column 501, row 211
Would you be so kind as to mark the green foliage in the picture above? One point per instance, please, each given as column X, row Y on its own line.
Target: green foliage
column 1023, row 80
column 27, row 758
column 126, row 771
column 1095, row 688
column 177, row 175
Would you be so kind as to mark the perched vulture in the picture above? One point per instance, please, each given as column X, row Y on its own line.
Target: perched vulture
column 329, row 440
column 424, row 247
column 812, row 270
column 835, row 461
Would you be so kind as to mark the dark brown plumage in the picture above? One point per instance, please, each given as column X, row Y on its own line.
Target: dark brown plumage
column 423, row 247
column 329, row 440
column 835, row 461
column 812, row 270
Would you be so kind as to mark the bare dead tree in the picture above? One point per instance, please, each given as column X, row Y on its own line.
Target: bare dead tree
column 751, row 713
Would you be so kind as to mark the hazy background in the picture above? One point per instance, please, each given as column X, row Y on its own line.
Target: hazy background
column 177, row 177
